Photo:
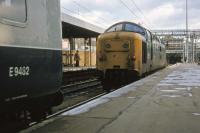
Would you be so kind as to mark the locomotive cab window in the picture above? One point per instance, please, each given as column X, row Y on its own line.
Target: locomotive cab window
column 114, row 28
column 134, row 28
column 13, row 10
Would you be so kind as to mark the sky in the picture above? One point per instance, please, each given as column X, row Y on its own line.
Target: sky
column 152, row 14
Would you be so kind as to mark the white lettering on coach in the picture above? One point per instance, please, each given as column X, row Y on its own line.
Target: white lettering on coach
column 10, row 71
column 19, row 71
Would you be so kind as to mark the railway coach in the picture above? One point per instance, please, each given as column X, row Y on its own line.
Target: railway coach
column 30, row 57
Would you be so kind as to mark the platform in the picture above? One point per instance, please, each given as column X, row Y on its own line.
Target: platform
column 167, row 101
column 66, row 69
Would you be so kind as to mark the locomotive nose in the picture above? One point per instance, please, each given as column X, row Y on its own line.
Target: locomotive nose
column 116, row 52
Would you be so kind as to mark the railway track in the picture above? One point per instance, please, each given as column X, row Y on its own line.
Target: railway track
column 69, row 108
column 80, row 86
column 77, row 91
column 70, row 77
column 74, row 90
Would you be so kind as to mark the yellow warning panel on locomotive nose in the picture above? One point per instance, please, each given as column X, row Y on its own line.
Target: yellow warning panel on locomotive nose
column 117, row 45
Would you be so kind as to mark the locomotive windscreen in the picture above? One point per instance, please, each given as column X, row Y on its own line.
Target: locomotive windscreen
column 134, row 28
column 117, row 27
column 127, row 26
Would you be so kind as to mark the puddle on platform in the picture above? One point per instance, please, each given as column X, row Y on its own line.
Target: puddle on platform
column 181, row 89
column 190, row 94
column 164, row 84
column 196, row 114
column 186, row 77
column 169, row 90
column 180, row 83
column 174, row 92
column 171, row 96
column 131, row 97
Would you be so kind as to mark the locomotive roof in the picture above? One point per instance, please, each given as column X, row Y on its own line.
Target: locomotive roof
column 128, row 22
column 123, row 22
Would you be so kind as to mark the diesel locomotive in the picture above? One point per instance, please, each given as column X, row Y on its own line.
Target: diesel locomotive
column 127, row 51
column 30, row 57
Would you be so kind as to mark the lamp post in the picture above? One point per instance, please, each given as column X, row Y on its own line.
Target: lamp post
column 186, row 47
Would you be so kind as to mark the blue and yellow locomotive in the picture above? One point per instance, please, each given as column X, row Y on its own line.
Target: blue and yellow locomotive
column 127, row 51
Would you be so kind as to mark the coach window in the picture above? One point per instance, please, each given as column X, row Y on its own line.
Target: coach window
column 13, row 10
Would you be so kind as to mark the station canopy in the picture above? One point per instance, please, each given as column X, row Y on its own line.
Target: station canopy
column 76, row 28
